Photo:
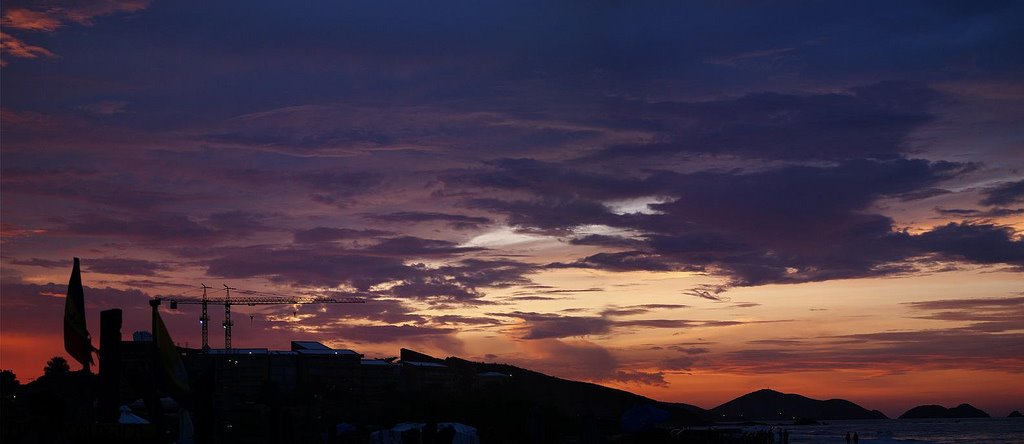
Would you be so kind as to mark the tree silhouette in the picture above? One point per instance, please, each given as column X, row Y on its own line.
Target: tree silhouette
column 56, row 366
column 8, row 383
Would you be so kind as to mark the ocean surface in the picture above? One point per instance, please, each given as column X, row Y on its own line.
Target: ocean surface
column 918, row 431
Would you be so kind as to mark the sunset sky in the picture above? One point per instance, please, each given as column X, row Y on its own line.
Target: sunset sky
column 685, row 201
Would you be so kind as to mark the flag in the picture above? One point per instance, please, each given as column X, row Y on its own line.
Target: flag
column 77, row 341
column 168, row 358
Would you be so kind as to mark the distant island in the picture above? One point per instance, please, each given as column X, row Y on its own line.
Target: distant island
column 770, row 404
column 938, row 411
column 1015, row 414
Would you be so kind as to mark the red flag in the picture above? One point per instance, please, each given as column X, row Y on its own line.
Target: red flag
column 77, row 341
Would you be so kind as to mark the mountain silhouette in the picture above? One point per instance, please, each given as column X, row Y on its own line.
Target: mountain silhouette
column 938, row 411
column 770, row 404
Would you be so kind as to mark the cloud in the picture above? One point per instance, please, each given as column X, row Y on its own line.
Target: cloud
column 553, row 326
column 358, row 127
column 890, row 352
column 864, row 122
column 980, row 243
column 37, row 309
column 574, row 359
column 387, row 333
column 30, row 20
column 789, row 224
column 584, row 360
column 1004, row 194
column 375, row 269
column 106, row 107
column 165, row 228
column 10, row 45
column 980, row 214
column 622, row 261
column 128, row 267
column 984, row 315
column 53, row 16
column 329, row 234
column 412, row 247
column 58, row 13
column 988, row 337
column 631, row 310
column 457, row 221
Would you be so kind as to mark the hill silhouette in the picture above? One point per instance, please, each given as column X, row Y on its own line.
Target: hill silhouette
column 770, row 404
column 530, row 397
column 938, row 411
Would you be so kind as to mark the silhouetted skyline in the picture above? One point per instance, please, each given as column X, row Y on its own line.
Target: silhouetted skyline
column 688, row 202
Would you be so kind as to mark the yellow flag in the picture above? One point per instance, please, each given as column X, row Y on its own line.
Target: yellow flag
column 168, row 357
column 77, row 341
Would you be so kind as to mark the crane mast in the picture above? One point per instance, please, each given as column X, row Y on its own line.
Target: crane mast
column 227, row 301
column 227, row 318
column 204, row 320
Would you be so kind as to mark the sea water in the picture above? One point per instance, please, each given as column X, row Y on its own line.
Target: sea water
column 917, row 431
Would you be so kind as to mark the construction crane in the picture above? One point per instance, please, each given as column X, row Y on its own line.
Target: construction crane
column 251, row 298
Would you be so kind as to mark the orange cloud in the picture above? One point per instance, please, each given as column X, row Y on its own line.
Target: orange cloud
column 30, row 20
column 54, row 17
column 17, row 48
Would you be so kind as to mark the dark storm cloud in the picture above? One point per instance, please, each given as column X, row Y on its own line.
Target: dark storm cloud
column 1004, row 194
